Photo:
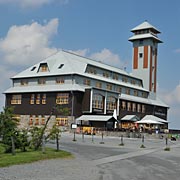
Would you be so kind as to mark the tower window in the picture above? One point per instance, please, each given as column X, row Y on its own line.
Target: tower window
column 140, row 55
column 141, row 41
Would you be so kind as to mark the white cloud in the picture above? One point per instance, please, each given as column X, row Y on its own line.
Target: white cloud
column 108, row 57
column 172, row 98
column 6, row 73
column 104, row 56
column 28, row 44
column 177, row 50
column 32, row 3
column 23, row 46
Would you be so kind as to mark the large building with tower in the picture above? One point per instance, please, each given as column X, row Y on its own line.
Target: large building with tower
column 71, row 87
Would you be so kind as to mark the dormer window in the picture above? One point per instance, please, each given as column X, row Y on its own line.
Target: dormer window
column 43, row 67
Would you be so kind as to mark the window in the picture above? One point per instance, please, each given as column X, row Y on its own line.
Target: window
column 119, row 89
column 43, row 120
column 44, row 99
column 32, row 99
column 115, row 76
column 135, row 93
column 98, row 85
column 124, row 79
column 16, row 99
column 60, row 80
column 105, row 74
column 97, row 101
column 124, row 105
column 109, row 87
column 87, row 82
column 152, row 85
column 24, row 82
column 140, row 55
column 129, row 106
column 144, row 95
column 38, row 97
column 133, row 81
column 60, row 66
column 91, row 70
column 33, row 68
column 62, row 98
column 127, row 91
column 134, row 107
column 141, row 41
column 43, row 67
column 139, row 83
column 139, row 108
column 41, row 81
column 37, row 120
column 17, row 118
column 62, row 121
column 143, row 109
column 111, row 103
column 31, row 120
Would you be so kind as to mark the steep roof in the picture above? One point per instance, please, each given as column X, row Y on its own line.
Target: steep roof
column 145, row 25
column 152, row 34
column 64, row 62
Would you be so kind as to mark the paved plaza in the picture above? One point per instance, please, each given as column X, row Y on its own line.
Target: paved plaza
column 104, row 159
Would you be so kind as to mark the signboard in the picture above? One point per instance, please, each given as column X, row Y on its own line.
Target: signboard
column 73, row 126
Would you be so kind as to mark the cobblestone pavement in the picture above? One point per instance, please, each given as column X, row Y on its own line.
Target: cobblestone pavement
column 104, row 159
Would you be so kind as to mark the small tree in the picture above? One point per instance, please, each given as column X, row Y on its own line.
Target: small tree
column 38, row 133
column 55, row 134
column 8, row 127
column 22, row 139
column 12, row 137
column 36, row 139
column 65, row 111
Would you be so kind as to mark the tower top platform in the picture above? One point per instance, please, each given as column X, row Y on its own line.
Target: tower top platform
column 145, row 25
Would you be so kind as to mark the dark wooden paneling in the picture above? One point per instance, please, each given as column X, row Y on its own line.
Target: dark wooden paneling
column 158, row 111
column 86, row 101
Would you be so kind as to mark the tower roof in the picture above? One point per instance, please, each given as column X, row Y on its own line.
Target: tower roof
column 145, row 25
column 145, row 31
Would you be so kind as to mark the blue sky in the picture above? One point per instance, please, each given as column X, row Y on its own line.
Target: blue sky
column 31, row 30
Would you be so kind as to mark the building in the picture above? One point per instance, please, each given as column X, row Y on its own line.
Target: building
column 69, row 87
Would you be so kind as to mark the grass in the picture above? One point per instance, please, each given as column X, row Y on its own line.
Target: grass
column 167, row 149
column 30, row 156
column 121, row 144
column 142, row 146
